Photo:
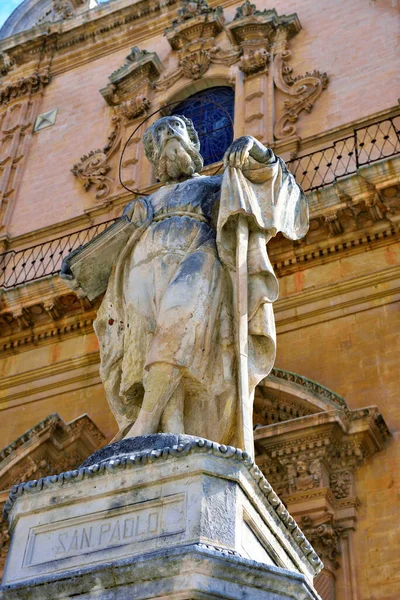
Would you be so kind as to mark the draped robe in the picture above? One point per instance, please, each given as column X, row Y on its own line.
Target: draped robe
column 170, row 294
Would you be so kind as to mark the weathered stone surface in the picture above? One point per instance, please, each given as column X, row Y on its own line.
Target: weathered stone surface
column 156, row 441
column 149, row 501
column 192, row 572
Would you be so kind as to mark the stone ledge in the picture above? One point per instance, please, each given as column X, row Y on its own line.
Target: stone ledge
column 190, row 572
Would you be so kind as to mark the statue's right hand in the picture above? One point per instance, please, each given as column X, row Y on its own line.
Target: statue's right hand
column 238, row 152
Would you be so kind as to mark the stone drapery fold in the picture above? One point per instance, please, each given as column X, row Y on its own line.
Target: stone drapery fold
column 268, row 196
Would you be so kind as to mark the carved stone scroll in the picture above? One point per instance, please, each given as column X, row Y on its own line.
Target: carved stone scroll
column 93, row 167
column 303, row 90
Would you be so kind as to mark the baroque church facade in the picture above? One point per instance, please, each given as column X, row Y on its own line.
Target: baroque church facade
column 316, row 82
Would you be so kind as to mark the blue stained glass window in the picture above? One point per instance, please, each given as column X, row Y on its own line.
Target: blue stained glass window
column 211, row 111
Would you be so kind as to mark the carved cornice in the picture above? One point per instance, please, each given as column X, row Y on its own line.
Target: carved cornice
column 196, row 21
column 255, row 32
column 139, row 459
column 139, row 70
column 25, row 86
column 311, row 459
column 6, row 64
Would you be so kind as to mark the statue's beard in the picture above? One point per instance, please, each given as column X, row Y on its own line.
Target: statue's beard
column 177, row 160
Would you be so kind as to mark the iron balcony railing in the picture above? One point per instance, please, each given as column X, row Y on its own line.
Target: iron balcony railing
column 312, row 171
column 367, row 145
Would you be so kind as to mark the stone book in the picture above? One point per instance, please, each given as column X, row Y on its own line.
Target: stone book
column 90, row 265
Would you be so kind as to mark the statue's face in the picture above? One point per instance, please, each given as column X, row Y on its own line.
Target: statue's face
column 169, row 128
column 172, row 147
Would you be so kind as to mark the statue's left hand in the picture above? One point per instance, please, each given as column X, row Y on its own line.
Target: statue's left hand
column 137, row 211
column 239, row 151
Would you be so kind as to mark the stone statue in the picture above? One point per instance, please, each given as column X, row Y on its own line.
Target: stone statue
column 186, row 327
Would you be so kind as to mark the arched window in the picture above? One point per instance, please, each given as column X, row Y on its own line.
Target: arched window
column 211, row 111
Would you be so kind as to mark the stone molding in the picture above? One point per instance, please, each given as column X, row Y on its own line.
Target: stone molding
column 194, row 571
column 140, row 69
column 193, row 36
column 51, row 436
column 176, row 451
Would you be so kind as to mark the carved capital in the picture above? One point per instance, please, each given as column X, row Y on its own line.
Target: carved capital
column 254, row 61
column 325, row 537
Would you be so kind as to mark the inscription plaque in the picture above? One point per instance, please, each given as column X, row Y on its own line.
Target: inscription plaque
column 108, row 529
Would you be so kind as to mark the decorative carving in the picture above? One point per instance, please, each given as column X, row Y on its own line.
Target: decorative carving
column 60, row 10
column 25, row 86
column 325, row 537
column 191, row 9
column 270, row 409
column 334, row 224
column 196, row 64
column 196, row 21
column 307, row 474
column 254, row 61
column 303, row 90
column 92, row 168
column 45, row 120
column 50, row 446
column 249, row 10
column 310, row 385
column 133, row 108
column 340, row 483
column 198, row 446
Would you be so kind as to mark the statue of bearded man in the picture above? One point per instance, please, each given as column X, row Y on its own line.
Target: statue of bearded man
column 168, row 323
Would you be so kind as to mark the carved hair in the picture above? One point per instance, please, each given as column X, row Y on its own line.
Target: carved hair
column 148, row 137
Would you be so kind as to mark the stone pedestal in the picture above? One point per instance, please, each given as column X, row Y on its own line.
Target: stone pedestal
column 156, row 517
